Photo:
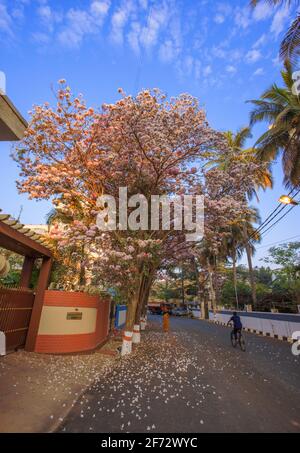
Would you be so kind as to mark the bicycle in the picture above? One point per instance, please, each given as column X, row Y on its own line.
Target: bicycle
column 238, row 339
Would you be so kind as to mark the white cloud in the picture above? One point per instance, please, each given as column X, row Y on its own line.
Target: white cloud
column 41, row 38
column 188, row 64
column 158, row 20
column 231, row 69
column 259, row 72
column 99, row 9
column 230, row 55
column 143, row 4
column 242, row 17
column 253, row 55
column 277, row 62
column 83, row 22
column 5, row 20
column 168, row 51
column 262, row 11
column 279, row 20
column 207, row 70
column 260, row 42
column 119, row 20
column 48, row 16
column 133, row 36
column 197, row 66
column 219, row 18
column 79, row 24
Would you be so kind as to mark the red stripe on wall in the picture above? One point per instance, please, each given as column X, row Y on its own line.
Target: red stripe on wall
column 71, row 299
column 56, row 344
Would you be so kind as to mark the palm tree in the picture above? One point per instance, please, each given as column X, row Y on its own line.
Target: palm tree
column 248, row 231
column 237, row 153
column 280, row 107
column 245, row 230
column 207, row 260
column 290, row 46
column 57, row 216
column 233, row 245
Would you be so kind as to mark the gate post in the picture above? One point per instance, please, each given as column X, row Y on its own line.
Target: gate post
column 26, row 272
column 38, row 304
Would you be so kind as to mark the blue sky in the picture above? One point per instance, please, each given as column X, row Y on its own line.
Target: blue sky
column 220, row 51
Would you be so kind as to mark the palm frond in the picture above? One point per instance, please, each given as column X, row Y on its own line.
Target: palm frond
column 254, row 3
column 241, row 136
column 287, row 74
column 290, row 46
column 264, row 111
column 278, row 95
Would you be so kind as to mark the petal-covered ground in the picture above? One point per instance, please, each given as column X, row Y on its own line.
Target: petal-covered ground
column 37, row 390
column 192, row 380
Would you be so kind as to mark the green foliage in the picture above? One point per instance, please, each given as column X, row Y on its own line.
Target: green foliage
column 12, row 280
column 286, row 255
column 280, row 108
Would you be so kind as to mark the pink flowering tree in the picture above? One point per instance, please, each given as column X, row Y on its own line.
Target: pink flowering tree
column 72, row 155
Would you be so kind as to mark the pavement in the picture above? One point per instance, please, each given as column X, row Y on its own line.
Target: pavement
column 38, row 390
column 191, row 380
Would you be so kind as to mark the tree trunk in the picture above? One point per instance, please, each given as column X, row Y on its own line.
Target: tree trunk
column 200, row 292
column 235, row 277
column 249, row 258
column 182, row 285
column 82, row 268
column 144, row 297
column 211, row 287
column 130, row 320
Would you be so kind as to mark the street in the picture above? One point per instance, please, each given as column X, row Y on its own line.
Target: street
column 192, row 380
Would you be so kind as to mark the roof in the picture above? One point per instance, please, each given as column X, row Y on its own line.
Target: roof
column 14, row 236
column 12, row 123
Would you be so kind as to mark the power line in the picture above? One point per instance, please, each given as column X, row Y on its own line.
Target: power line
column 280, row 218
column 271, row 216
column 278, row 242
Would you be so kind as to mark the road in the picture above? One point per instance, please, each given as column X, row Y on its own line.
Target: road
column 192, row 380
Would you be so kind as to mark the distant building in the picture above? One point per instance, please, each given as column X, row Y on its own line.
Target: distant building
column 39, row 229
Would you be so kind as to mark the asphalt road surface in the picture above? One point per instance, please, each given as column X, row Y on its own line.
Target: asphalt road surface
column 192, row 380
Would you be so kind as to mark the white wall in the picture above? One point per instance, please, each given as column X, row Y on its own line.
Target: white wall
column 54, row 321
column 280, row 324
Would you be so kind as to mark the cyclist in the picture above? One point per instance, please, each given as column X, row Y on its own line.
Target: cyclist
column 237, row 324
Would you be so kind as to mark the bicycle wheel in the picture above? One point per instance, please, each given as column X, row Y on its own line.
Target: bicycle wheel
column 233, row 340
column 242, row 343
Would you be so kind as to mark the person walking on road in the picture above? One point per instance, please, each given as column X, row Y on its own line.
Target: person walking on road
column 166, row 321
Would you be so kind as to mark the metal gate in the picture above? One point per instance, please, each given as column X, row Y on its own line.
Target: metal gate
column 15, row 313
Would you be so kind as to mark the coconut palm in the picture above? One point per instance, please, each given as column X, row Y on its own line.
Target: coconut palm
column 290, row 46
column 233, row 245
column 57, row 216
column 242, row 237
column 244, row 230
column 247, row 231
column 238, row 153
column 280, row 107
